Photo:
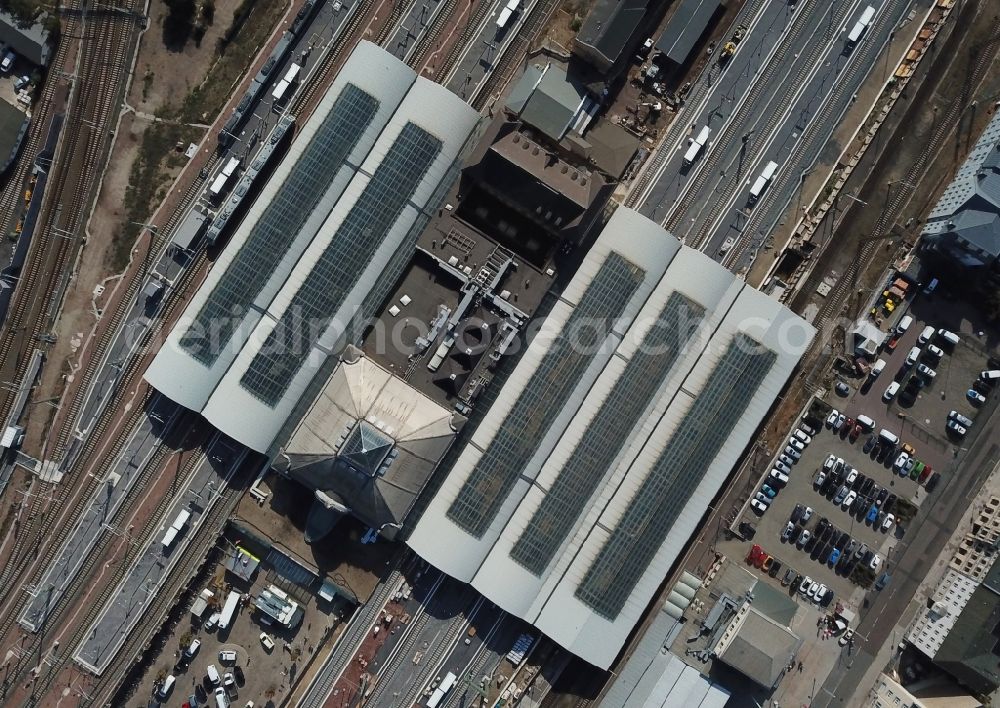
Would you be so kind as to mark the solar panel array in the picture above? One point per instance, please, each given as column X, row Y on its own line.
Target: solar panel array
column 674, row 476
column 338, row 269
column 568, row 496
column 281, row 221
column 534, row 411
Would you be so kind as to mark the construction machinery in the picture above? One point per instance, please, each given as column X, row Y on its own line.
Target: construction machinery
column 730, row 47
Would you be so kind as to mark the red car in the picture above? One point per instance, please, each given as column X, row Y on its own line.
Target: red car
column 761, row 560
column 755, row 555
column 925, row 473
column 855, row 432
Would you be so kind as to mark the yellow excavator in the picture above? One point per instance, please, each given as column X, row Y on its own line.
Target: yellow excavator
column 730, row 47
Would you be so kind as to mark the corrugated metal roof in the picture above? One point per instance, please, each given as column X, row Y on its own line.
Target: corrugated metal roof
column 688, row 23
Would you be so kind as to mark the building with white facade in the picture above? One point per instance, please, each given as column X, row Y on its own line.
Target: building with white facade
column 583, row 483
column 318, row 251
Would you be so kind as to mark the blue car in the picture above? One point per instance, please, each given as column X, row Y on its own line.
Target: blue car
column 769, row 492
column 834, row 557
column 872, row 514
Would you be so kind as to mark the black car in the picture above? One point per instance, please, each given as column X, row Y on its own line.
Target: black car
column 889, row 503
column 932, row 482
column 818, row 549
column 824, row 489
column 881, row 496
column 825, row 555
column 821, row 525
column 870, row 444
column 795, row 533
column 810, row 544
column 867, row 487
column 241, row 679
column 842, row 541
column 855, row 505
column 827, row 598
column 773, row 572
column 797, row 513
column 747, row 530
column 829, row 533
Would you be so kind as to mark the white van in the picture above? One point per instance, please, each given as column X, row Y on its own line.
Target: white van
column 990, row 376
column 891, row 391
column 926, row 335
column 866, row 423
column 950, row 337
column 877, row 368
column 888, row 436
column 167, row 687
column 220, row 698
column 213, row 674
column 904, row 324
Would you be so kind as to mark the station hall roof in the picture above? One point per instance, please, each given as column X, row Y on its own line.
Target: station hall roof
column 319, row 249
column 583, row 482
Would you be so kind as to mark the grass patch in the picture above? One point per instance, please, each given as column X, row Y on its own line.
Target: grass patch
column 147, row 183
column 252, row 24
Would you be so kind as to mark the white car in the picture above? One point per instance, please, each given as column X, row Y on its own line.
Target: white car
column 8, row 61
column 820, row 592
column 228, row 681
column 778, row 477
column 227, row 656
column 820, row 478
column 849, row 499
column 960, row 419
column 758, row 507
column 266, row 640
column 888, row 521
column 793, row 453
column 831, row 419
column 912, row 357
column 841, row 418
column 926, row 371
column 876, row 562
column 851, row 476
column 806, row 535
column 797, row 444
column 802, row 437
column 901, row 461
column 804, row 586
column 787, row 533
column 828, row 463
column 890, row 392
column 955, row 427
column 813, row 593
column 779, row 465
column 193, row 648
column 934, row 351
column 787, row 460
column 806, row 515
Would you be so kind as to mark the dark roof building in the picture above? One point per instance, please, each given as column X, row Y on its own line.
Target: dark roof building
column 971, row 651
column 964, row 226
column 13, row 127
column 547, row 99
column 28, row 39
column 688, row 23
column 606, row 35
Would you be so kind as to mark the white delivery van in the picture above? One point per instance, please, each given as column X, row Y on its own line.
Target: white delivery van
column 168, row 686
column 877, row 368
column 213, row 674
column 888, row 436
column 865, row 422
column 904, row 324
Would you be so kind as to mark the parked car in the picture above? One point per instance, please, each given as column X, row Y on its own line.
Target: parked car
column 227, row 656
column 890, row 392
column 960, row 419
column 926, row 371
column 768, row 492
column 829, row 462
column 789, row 577
column 888, row 522
column 779, row 465
column 932, row 482
column 804, row 538
column 855, row 433
column 8, row 61
column 793, row 453
column 848, row 499
column 834, row 557
column 192, row 648
column 870, row 444
column 900, row 462
column 975, row 398
column 821, row 477
column 957, row 428
column 787, row 460
column 804, row 586
column 778, row 478
column 266, row 640
column 935, row 352
column 912, row 357
column 806, row 515
column 883, row 581
column 948, row 337
column 872, row 514
column 831, row 420
column 796, row 443
column 787, row 533
column 841, row 419
column 926, row 335
column 802, row 437
column 875, row 562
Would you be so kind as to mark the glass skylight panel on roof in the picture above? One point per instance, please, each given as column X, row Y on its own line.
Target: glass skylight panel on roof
column 366, row 447
column 337, row 271
column 281, row 221
column 541, row 400
column 607, row 433
column 674, row 476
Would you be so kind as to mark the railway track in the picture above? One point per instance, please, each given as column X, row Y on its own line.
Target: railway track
column 515, row 52
column 815, row 135
column 754, row 103
column 424, row 44
column 696, row 96
column 943, row 126
column 96, row 93
column 444, row 72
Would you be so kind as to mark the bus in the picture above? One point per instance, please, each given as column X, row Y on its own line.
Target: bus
column 761, row 184
column 442, row 690
column 863, row 23
column 694, row 149
column 229, row 609
column 506, row 13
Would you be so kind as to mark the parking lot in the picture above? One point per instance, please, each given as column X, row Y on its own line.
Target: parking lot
column 867, row 486
column 259, row 673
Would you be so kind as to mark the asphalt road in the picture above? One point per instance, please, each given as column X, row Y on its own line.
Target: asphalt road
column 927, row 535
column 811, row 75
